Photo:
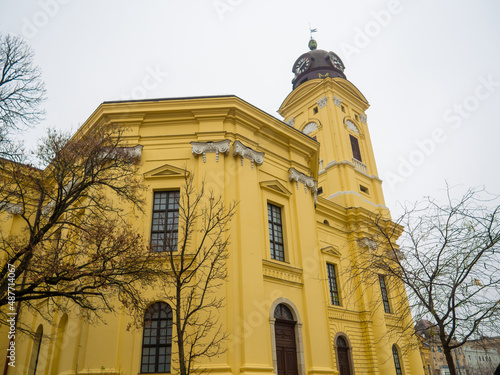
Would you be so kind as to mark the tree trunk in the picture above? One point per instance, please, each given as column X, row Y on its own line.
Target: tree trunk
column 180, row 333
column 449, row 360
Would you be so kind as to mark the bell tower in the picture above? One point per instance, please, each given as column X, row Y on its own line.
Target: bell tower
column 327, row 107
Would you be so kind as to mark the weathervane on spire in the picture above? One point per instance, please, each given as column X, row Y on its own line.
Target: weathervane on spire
column 312, row 43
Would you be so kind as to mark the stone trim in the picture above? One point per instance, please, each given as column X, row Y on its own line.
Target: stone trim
column 308, row 182
column 246, row 152
column 203, row 148
column 322, row 102
column 337, row 101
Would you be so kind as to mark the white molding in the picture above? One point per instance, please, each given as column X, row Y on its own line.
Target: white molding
column 352, row 126
column 337, row 101
column 291, row 122
column 363, row 118
column 12, row 208
column 310, row 127
column 322, row 102
column 295, row 175
column 203, row 148
column 247, row 153
column 134, row 152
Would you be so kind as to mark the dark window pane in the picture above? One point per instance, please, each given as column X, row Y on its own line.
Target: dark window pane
column 356, row 153
column 332, row 282
column 165, row 224
column 156, row 343
column 385, row 298
column 275, row 232
column 397, row 363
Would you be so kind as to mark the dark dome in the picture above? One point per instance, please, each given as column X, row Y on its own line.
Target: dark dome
column 315, row 64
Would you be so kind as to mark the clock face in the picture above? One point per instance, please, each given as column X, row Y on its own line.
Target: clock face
column 301, row 65
column 336, row 62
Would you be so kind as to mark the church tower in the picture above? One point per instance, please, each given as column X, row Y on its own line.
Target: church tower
column 327, row 107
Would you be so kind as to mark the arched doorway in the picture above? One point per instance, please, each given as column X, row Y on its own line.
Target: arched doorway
column 343, row 356
column 286, row 345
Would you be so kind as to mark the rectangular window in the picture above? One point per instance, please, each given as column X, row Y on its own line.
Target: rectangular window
column 164, row 230
column 383, row 289
column 332, row 282
column 276, row 232
column 356, row 153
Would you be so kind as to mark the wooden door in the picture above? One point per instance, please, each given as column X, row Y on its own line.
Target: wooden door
column 286, row 349
column 343, row 357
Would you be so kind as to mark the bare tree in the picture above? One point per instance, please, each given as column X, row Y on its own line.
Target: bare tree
column 448, row 259
column 197, row 269
column 21, row 92
column 74, row 243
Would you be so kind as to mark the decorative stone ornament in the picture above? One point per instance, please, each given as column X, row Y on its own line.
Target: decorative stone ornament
column 322, row 102
column 337, row 101
column 295, row 175
column 368, row 243
column 309, row 128
column 246, row 152
column 203, row 148
column 352, row 126
column 291, row 122
column 125, row 153
column 363, row 118
column 12, row 208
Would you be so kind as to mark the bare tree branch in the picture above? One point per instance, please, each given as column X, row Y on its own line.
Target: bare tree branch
column 448, row 258
column 21, row 92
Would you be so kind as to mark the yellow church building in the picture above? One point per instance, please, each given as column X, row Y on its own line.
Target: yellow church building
column 291, row 306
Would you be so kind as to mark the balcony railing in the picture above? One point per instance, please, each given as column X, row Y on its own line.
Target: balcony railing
column 359, row 166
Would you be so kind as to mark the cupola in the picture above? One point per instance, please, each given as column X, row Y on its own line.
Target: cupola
column 316, row 64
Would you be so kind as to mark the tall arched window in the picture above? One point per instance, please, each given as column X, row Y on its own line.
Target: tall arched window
column 157, row 339
column 397, row 362
column 35, row 352
column 61, row 329
column 343, row 356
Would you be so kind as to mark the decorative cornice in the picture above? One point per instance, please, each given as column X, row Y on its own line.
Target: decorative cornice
column 337, row 101
column 295, row 175
column 368, row 243
column 203, row 148
column 246, row 152
column 291, row 122
column 132, row 153
column 322, row 102
column 12, row 208
column 48, row 208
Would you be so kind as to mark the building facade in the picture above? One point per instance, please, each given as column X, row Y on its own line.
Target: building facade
column 482, row 356
column 302, row 186
column 432, row 353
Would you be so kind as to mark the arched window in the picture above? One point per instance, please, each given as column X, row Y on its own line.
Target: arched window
column 397, row 362
column 35, row 352
column 282, row 312
column 61, row 329
column 157, row 339
column 343, row 356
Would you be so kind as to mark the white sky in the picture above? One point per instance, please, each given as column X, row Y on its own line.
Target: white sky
column 415, row 61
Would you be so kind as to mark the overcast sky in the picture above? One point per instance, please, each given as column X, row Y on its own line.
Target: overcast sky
column 430, row 69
